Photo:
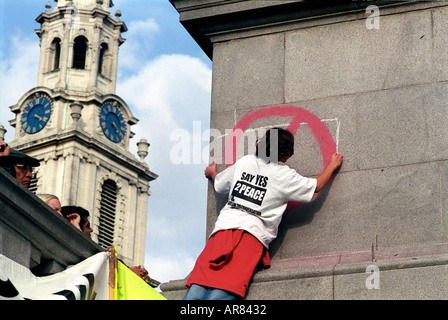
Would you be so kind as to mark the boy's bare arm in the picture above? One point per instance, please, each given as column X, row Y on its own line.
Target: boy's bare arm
column 325, row 176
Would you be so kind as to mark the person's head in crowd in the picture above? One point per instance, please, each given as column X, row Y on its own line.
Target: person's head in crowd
column 20, row 166
column 52, row 201
column 80, row 215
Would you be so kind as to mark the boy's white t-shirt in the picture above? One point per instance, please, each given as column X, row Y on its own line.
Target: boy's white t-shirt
column 258, row 195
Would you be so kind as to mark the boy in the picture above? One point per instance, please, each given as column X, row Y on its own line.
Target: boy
column 260, row 187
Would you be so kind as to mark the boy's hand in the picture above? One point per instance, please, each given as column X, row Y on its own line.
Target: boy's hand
column 335, row 161
column 325, row 176
column 210, row 172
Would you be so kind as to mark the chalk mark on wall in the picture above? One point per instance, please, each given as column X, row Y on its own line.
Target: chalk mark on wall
column 327, row 144
column 284, row 125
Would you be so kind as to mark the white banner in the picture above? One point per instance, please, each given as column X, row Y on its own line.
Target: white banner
column 88, row 280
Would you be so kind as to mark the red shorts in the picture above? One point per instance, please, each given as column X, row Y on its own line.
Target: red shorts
column 228, row 261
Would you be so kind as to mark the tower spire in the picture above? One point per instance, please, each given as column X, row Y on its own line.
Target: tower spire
column 79, row 46
column 80, row 130
column 85, row 3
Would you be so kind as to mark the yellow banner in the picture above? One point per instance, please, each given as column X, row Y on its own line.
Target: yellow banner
column 129, row 286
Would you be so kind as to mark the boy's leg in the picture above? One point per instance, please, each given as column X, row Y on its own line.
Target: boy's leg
column 218, row 294
column 196, row 292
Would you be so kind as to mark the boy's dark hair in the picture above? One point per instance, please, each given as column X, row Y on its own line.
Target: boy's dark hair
column 283, row 141
column 66, row 210
column 83, row 213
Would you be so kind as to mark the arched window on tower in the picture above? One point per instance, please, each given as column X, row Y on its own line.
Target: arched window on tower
column 79, row 52
column 55, row 54
column 101, row 62
column 108, row 205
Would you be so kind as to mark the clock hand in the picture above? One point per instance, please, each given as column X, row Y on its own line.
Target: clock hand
column 115, row 126
column 116, row 129
column 38, row 117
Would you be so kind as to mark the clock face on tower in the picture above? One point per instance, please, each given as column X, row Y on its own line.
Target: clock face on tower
column 36, row 114
column 112, row 121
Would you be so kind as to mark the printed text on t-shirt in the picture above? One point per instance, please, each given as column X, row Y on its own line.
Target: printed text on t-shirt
column 249, row 192
column 261, row 181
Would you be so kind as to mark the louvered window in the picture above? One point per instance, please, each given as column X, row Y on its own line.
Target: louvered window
column 33, row 184
column 108, row 206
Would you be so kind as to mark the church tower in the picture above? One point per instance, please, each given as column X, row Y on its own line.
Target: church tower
column 80, row 130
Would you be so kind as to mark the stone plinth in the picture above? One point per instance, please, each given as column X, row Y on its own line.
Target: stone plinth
column 381, row 94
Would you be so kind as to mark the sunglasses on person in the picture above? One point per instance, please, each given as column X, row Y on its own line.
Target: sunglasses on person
column 24, row 168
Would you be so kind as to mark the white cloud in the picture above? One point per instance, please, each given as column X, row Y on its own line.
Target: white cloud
column 168, row 93
column 139, row 42
column 18, row 74
column 175, row 266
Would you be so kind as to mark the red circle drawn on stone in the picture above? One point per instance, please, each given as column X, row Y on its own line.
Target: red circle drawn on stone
column 299, row 115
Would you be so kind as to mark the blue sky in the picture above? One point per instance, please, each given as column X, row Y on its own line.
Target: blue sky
column 165, row 78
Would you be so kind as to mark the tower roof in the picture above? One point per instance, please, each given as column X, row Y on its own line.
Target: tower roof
column 85, row 2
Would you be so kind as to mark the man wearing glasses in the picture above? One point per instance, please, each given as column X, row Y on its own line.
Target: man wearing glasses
column 18, row 164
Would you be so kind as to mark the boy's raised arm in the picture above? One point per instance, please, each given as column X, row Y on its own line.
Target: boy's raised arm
column 325, row 176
